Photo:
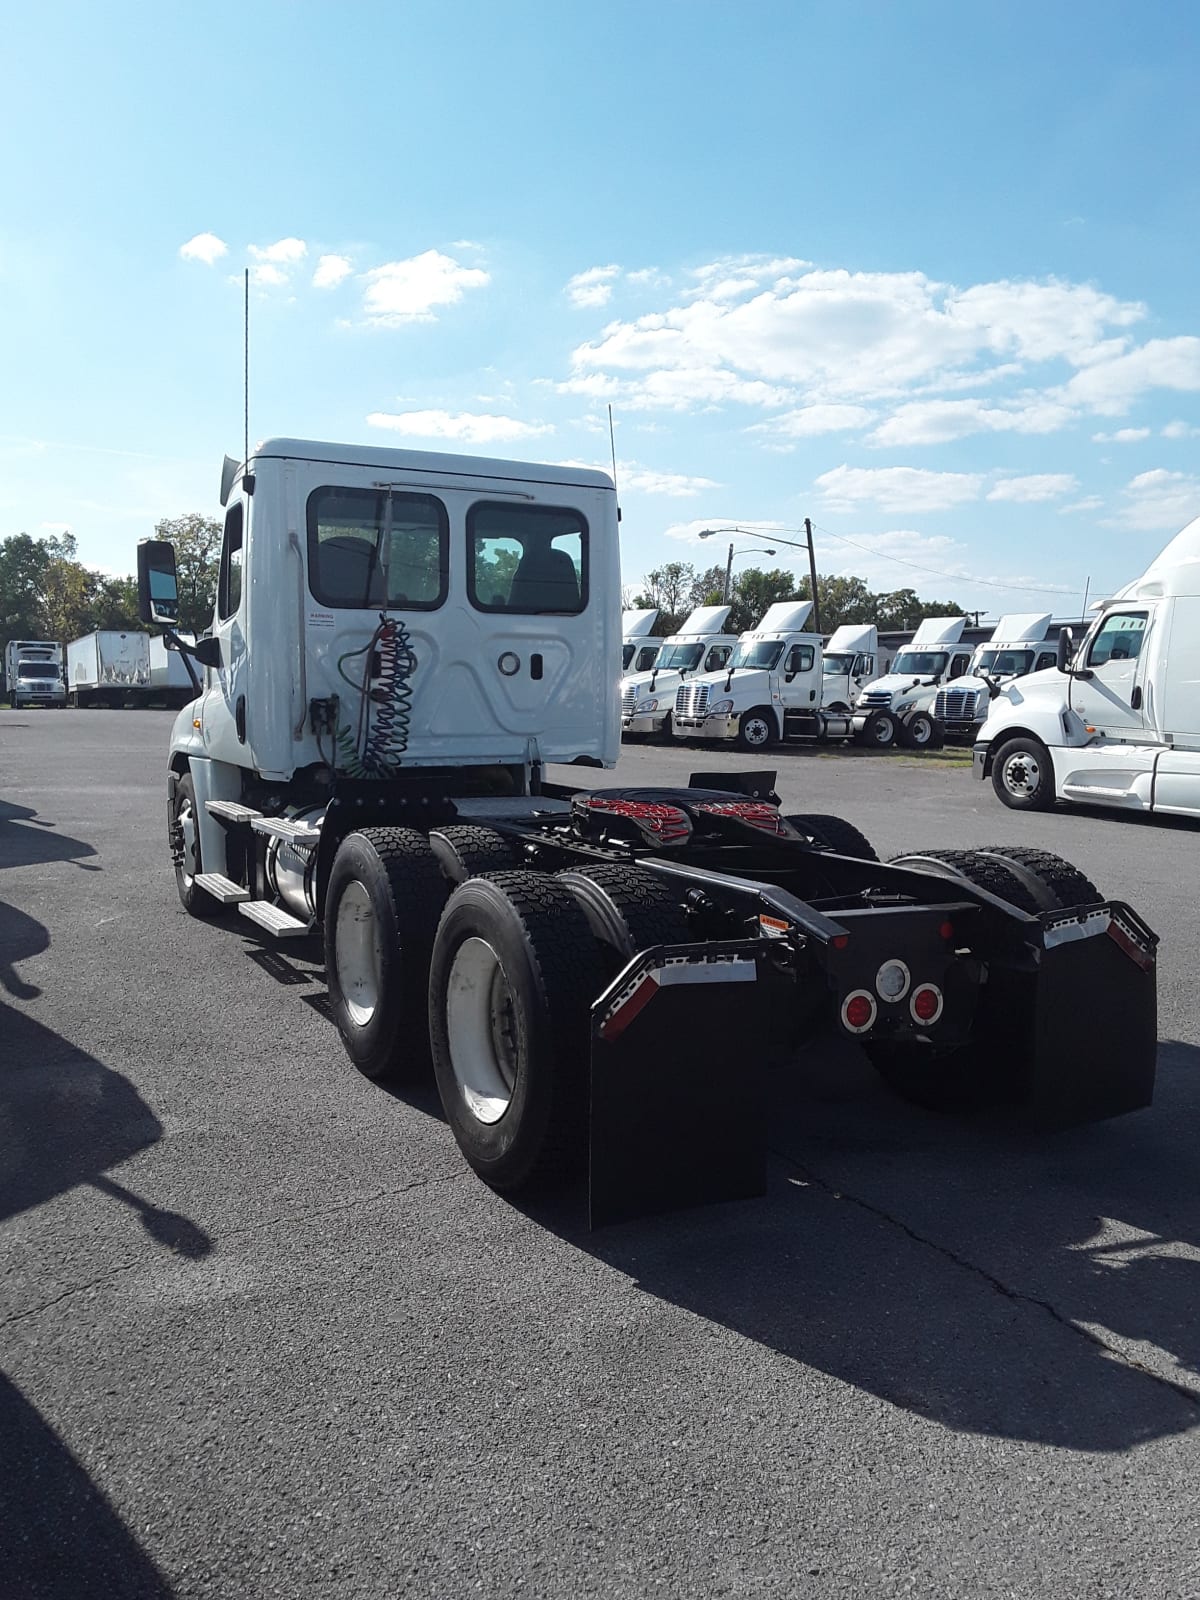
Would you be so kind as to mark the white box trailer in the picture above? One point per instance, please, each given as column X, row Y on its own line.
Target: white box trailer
column 169, row 679
column 109, row 667
column 33, row 673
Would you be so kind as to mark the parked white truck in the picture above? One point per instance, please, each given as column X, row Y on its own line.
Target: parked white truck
column 1117, row 721
column 1019, row 645
column 110, row 667
column 401, row 642
column 648, row 698
column 898, row 708
column 33, row 673
column 848, row 665
column 639, row 650
column 170, row 681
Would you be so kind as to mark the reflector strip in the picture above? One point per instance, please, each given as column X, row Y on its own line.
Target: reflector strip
column 642, row 990
column 1078, row 928
column 1125, row 943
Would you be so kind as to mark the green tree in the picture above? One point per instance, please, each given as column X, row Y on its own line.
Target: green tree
column 754, row 590
column 669, row 588
column 197, row 542
column 23, row 563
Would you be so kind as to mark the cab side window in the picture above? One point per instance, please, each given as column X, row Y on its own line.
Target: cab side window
column 864, row 667
column 799, row 658
column 1120, row 638
column 229, row 584
column 959, row 666
column 717, row 657
column 1048, row 658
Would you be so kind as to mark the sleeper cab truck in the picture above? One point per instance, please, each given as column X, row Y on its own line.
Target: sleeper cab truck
column 648, row 698
column 639, row 650
column 1117, row 721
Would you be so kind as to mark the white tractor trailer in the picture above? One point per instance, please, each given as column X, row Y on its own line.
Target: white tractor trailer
column 1116, row 721
column 402, row 642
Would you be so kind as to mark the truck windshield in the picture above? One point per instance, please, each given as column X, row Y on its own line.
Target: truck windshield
column 680, row 658
column 838, row 664
column 760, row 653
column 1003, row 663
column 37, row 669
column 920, row 663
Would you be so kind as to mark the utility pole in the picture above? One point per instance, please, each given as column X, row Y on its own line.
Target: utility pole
column 728, row 575
column 812, row 572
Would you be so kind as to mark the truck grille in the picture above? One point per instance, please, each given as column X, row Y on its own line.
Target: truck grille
column 691, row 700
column 955, row 705
column 876, row 697
column 627, row 702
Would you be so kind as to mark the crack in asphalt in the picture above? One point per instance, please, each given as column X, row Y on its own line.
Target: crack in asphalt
column 1192, row 1396
column 236, row 1233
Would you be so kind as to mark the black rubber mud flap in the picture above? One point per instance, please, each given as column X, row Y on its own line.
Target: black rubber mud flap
column 681, row 1042
column 1093, row 1033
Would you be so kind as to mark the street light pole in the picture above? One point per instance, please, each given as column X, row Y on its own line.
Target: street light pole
column 769, row 533
column 812, row 570
column 728, row 575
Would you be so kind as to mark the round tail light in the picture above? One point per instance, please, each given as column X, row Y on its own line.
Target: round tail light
column 892, row 981
column 858, row 1011
column 926, row 1003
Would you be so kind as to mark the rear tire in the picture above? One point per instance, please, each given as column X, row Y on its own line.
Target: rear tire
column 628, row 910
column 195, row 901
column 1023, row 775
column 985, row 870
column 465, row 851
column 879, row 731
column 917, row 732
column 515, row 970
column 839, row 835
column 757, row 729
column 382, row 904
column 1063, row 885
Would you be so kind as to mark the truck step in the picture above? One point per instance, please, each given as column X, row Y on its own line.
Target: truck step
column 230, row 811
column 222, row 888
column 274, row 919
column 298, row 833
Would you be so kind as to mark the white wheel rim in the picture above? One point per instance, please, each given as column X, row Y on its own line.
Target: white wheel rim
column 1021, row 775
column 920, row 733
column 883, row 732
column 481, row 1031
column 187, row 827
column 356, row 951
column 756, row 731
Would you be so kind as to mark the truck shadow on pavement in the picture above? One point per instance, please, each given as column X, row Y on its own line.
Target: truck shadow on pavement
column 993, row 1280
column 26, row 840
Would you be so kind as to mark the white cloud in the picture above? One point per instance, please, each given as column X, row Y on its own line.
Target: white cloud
column 204, row 247
column 1180, row 430
column 1159, row 501
column 940, row 421
column 1035, row 489
column 1122, row 436
column 331, row 270
column 284, row 252
column 676, row 390
column 593, row 287
column 1110, row 387
column 648, row 278
column 268, row 275
column 677, row 485
column 1090, row 502
column 410, row 290
column 809, row 421
column 467, row 426
column 898, row 488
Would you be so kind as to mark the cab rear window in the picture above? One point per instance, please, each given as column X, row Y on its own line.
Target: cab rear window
column 371, row 548
column 527, row 559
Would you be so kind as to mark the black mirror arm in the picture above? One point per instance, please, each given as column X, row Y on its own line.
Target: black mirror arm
column 188, row 652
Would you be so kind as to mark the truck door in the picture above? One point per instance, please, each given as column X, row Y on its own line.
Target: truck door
column 226, row 704
column 1111, row 700
column 798, row 689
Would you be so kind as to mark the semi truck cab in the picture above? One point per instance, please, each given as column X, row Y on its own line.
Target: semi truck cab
column 901, row 702
column 1117, row 721
column 33, row 673
column 1018, row 646
column 648, row 698
column 639, row 651
column 848, row 665
column 774, row 670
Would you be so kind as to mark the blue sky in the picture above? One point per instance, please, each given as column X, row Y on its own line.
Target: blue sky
column 925, row 273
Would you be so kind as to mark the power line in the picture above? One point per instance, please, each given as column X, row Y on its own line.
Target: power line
column 937, row 572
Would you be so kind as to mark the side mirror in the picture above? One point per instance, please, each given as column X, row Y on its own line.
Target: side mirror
column 158, row 588
column 207, row 651
column 1065, row 648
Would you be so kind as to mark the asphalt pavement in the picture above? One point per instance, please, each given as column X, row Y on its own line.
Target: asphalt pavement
column 263, row 1334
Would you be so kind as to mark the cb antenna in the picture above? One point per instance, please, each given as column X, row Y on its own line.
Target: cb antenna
column 246, row 368
column 612, row 444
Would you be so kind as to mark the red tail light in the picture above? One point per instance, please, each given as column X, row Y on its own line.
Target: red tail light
column 926, row 1003
column 859, row 1011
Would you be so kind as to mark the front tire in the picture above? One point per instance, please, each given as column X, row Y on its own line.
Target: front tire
column 186, row 851
column 515, row 970
column 757, row 729
column 382, row 904
column 1023, row 775
column 879, row 731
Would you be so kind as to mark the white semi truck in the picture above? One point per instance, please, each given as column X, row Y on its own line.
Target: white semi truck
column 848, row 665
column 1019, row 645
column 401, row 642
column 109, row 668
column 33, row 673
column 1117, row 721
column 639, row 650
column 648, row 698
column 898, row 708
